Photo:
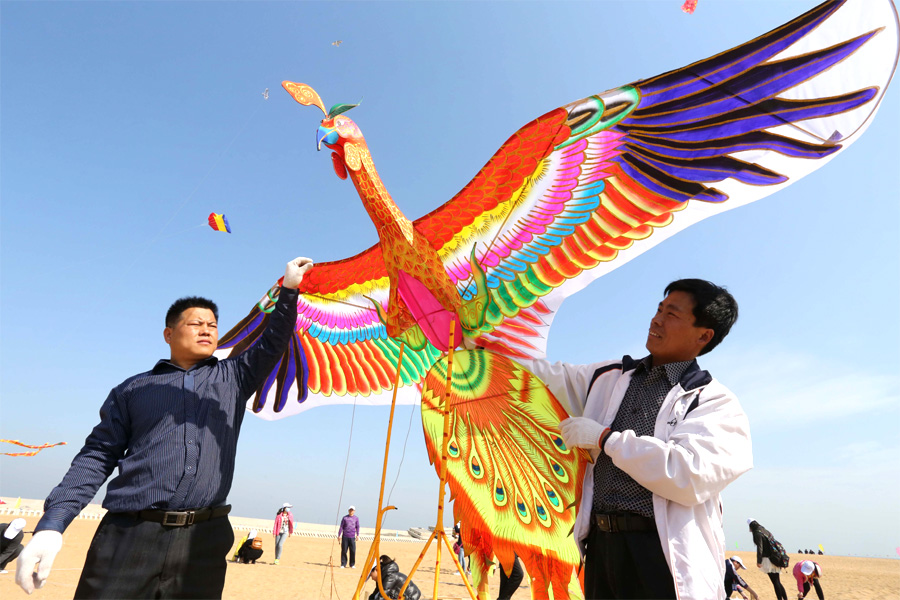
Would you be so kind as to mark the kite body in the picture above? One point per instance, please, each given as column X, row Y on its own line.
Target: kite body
column 35, row 448
column 219, row 222
column 569, row 197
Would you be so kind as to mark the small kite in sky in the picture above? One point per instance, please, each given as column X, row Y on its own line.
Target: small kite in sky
column 265, row 94
column 689, row 6
column 337, row 42
column 36, row 448
column 219, row 222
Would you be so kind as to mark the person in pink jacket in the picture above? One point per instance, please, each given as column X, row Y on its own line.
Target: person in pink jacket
column 284, row 527
column 807, row 572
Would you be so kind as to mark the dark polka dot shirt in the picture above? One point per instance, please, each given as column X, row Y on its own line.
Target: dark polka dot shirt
column 614, row 490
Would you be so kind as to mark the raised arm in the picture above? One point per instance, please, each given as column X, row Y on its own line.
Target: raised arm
column 257, row 361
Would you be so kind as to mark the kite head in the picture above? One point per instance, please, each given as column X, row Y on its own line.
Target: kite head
column 335, row 129
column 335, row 132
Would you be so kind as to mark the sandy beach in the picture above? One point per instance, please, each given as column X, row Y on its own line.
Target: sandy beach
column 304, row 571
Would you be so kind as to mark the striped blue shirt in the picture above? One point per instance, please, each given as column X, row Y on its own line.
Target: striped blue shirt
column 172, row 433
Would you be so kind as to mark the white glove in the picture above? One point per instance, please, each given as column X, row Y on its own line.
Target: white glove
column 295, row 270
column 40, row 551
column 581, row 432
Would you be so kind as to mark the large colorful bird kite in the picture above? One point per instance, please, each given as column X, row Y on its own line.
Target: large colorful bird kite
column 572, row 195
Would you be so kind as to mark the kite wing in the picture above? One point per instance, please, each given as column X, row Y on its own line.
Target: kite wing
column 587, row 187
column 340, row 352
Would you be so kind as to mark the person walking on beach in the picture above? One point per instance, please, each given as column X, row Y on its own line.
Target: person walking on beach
column 11, row 535
column 284, row 528
column 172, row 432
column 349, row 534
column 807, row 572
column 770, row 557
column 666, row 439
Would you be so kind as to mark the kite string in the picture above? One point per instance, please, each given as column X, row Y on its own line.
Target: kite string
column 70, row 330
column 194, row 191
column 144, row 247
column 402, row 457
column 340, row 496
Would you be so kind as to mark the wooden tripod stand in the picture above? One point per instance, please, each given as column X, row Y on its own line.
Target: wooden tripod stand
column 438, row 534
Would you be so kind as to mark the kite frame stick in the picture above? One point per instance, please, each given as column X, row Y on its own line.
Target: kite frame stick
column 376, row 543
column 438, row 532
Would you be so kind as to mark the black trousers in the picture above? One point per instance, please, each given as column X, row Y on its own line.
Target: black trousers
column 626, row 565
column 510, row 583
column 131, row 558
column 10, row 555
column 248, row 554
column 819, row 591
column 780, row 594
column 348, row 544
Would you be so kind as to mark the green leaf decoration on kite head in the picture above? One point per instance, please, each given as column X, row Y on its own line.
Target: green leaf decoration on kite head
column 338, row 109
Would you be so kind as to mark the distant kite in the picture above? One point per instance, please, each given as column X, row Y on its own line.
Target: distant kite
column 689, row 6
column 337, row 42
column 219, row 222
column 265, row 94
column 37, row 448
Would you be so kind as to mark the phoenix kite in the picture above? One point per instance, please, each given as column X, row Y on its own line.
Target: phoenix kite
column 569, row 197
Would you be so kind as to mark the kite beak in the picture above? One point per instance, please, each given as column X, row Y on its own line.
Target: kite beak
column 327, row 135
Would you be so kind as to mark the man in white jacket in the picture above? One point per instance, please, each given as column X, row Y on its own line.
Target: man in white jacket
column 666, row 438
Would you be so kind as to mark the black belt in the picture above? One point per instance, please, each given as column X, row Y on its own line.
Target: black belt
column 182, row 518
column 623, row 523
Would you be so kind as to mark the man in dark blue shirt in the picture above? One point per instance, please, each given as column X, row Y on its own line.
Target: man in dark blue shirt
column 172, row 432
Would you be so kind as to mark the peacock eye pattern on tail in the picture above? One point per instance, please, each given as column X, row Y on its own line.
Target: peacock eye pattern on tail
column 499, row 493
column 475, row 467
column 506, row 461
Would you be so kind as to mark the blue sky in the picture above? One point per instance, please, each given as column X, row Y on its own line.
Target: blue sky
column 124, row 125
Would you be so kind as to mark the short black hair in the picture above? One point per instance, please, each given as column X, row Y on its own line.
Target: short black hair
column 714, row 307
column 182, row 304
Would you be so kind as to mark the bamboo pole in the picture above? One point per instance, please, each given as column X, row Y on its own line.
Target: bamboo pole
column 439, row 533
column 376, row 543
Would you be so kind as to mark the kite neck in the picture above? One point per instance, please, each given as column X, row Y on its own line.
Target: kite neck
column 378, row 202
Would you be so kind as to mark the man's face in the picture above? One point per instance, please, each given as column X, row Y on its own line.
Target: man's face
column 673, row 337
column 193, row 338
column 351, row 512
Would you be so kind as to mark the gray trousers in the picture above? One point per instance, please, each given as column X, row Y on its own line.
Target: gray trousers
column 279, row 544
